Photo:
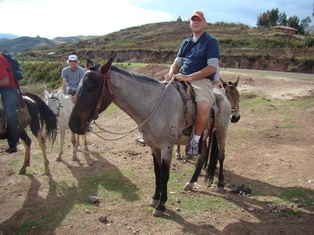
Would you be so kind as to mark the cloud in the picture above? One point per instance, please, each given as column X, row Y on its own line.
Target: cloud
column 53, row 18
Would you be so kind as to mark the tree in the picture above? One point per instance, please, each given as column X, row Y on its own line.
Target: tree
column 305, row 23
column 282, row 19
column 293, row 22
column 179, row 19
column 273, row 18
column 263, row 20
column 269, row 18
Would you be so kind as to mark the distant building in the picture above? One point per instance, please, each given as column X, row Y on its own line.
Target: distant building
column 285, row 29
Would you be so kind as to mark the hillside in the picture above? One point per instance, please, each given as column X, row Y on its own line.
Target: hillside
column 19, row 44
column 241, row 46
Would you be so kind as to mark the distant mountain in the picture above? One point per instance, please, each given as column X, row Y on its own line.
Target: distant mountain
column 20, row 44
column 7, row 36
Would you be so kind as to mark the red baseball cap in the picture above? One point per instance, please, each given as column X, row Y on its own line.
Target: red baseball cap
column 199, row 14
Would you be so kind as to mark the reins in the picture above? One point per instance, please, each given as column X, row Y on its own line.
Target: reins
column 99, row 103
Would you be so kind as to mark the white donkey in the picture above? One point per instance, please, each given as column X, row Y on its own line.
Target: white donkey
column 62, row 106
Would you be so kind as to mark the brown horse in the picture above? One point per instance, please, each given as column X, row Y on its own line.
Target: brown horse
column 43, row 123
column 157, row 108
column 232, row 93
column 219, row 129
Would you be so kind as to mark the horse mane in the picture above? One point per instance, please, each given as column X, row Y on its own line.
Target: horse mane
column 138, row 76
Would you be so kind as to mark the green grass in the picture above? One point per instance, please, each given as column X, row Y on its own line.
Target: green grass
column 27, row 226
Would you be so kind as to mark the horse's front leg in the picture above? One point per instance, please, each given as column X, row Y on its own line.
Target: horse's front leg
column 61, row 140
column 27, row 146
column 162, row 161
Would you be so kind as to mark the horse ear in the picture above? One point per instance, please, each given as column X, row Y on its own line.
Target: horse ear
column 89, row 64
column 47, row 95
column 224, row 84
column 105, row 68
column 236, row 83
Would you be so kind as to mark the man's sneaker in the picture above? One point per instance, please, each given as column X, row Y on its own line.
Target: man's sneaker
column 140, row 141
column 192, row 148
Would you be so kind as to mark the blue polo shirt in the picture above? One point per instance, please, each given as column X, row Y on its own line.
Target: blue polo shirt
column 196, row 58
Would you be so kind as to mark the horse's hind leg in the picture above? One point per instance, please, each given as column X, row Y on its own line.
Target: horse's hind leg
column 41, row 141
column 74, row 140
column 199, row 165
column 85, row 141
column 178, row 152
column 221, row 157
column 213, row 160
column 27, row 146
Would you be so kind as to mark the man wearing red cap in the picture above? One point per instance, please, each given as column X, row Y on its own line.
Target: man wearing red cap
column 197, row 62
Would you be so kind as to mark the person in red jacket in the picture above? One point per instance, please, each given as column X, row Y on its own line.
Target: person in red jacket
column 9, row 96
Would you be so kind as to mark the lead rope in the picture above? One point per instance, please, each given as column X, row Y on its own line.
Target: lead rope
column 124, row 134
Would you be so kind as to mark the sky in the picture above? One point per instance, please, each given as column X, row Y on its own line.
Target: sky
column 62, row 18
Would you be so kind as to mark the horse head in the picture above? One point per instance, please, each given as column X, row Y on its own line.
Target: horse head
column 93, row 96
column 52, row 101
column 233, row 96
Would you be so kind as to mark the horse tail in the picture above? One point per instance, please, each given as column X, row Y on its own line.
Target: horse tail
column 212, row 152
column 48, row 119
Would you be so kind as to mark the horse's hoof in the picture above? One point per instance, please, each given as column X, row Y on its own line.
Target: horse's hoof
column 220, row 189
column 22, row 172
column 58, row 159
column 153, row 202
column 188, row 186
column 74, row 159
column 158, row 213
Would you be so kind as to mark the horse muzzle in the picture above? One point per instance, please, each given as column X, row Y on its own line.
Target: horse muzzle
column 235, row 115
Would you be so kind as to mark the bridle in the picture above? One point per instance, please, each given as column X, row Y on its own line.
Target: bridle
column 59, row 106
column 105, row 84
column 233, row 109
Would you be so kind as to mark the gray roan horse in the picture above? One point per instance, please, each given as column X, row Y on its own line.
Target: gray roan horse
column 158, row 109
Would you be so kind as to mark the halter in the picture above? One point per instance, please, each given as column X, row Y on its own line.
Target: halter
column 59, row 106
column 105, row 84
column 233, row 109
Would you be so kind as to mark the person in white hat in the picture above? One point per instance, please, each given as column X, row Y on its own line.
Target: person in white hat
column 72, row 76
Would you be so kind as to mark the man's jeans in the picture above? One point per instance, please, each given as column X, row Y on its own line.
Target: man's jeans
column 9, row 98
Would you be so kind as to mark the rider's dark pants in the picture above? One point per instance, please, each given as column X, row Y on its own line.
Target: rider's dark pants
column 9, row 98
